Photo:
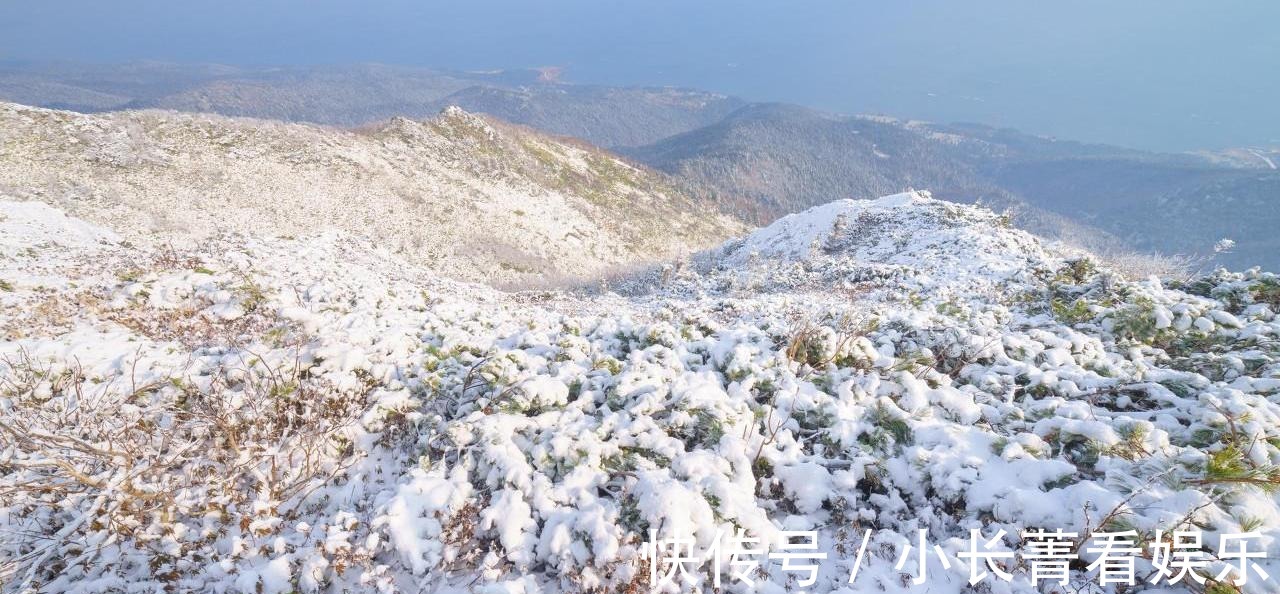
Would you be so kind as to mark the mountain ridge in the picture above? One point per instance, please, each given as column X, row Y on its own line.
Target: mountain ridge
column 476, row 197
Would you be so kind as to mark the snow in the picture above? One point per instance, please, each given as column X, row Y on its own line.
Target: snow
column 926, row 244
column 793, row 236
column 807, row 484
column 893, row 364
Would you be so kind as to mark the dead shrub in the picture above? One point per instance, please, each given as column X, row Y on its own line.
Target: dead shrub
column 85, row 463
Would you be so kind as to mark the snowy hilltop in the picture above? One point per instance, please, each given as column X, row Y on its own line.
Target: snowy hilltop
column 265, row 414
column 934, row 245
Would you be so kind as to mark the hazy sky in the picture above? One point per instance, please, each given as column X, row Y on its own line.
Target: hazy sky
column 1166, row 74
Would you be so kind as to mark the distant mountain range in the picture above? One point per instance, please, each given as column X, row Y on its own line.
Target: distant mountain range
column 754, row 161
column 782, row 158
column 359, row 94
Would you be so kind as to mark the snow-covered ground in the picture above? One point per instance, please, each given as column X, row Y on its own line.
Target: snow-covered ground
column 316, row 414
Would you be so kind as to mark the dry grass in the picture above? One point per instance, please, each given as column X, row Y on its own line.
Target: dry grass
column 96, row 461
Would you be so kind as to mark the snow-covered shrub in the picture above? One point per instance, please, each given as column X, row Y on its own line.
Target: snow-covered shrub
column 411, row 433
column 167, row 465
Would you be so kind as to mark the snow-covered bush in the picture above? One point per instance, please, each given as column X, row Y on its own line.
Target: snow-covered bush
column 933, row 370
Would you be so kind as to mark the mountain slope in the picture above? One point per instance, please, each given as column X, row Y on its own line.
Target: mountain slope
column 471, row 197
column 1166, row 206
column 605, row 116
column 787, row 158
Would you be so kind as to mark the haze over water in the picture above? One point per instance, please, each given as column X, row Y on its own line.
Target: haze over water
column 1164, row 75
